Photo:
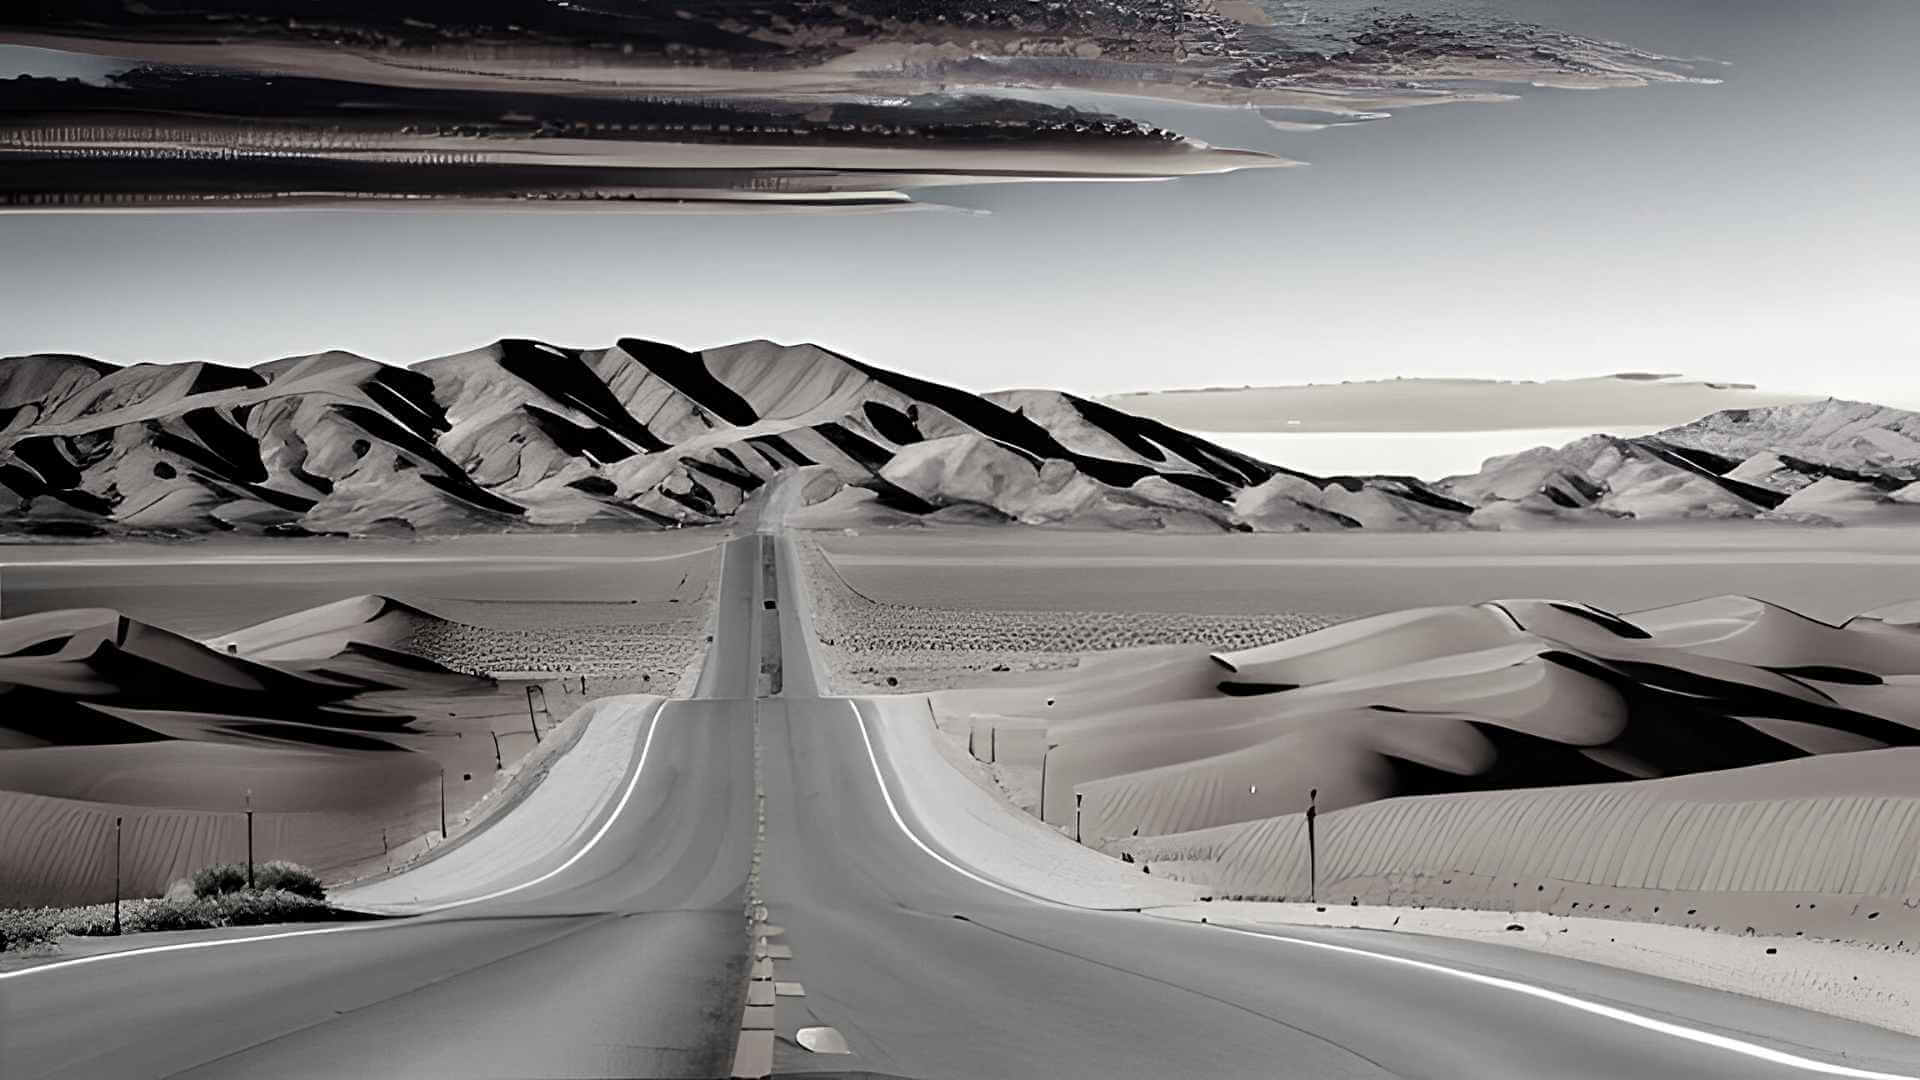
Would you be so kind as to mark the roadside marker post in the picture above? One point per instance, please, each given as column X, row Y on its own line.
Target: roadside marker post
column 249, row 839
column 1313, row 861
column 116, row 876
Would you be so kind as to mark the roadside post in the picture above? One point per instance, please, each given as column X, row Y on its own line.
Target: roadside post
column 249, row 839
column 1051, row 747
column 116, row 877
column 1313, row 859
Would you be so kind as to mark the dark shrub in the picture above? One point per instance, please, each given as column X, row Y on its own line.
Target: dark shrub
column 33, row 927
column 28, row 928
column 289, row 877
column 219, row 879
column 228, row 878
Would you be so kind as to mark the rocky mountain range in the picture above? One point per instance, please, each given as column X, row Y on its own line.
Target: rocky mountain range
column 1828, row 461
column 522, row 434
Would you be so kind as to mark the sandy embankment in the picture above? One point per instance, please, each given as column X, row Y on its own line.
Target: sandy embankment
column 300, row 719
column 1874, row 985
column 544, row 812
column 965, row 815
column 1694, row 878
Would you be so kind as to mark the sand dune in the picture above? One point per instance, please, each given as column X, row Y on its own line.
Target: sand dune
column 327, row 631
column 1500, row 695
column 1827, row 846
column 326, row 723
column 1725, row 764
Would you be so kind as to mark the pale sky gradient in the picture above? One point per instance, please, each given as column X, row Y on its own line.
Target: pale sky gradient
column 1764, row 230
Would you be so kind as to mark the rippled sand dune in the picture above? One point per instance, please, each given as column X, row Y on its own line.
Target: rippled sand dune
column 343, row 727
column 1717, row 746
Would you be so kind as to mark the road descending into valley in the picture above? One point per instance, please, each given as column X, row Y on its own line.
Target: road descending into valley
column 761, row 876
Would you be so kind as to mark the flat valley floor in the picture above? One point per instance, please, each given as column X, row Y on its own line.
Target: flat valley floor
column 1828, row 573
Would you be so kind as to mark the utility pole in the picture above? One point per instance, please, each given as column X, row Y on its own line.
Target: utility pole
column 1313, row 859
column 443, row 802
column 497, row 765
column 1043, row 779
column 116, row 877
column 249, row 839
column 1077, row 796
column 531, row 722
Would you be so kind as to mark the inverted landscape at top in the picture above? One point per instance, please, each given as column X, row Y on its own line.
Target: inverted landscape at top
column 800, row 104
column 523, row 434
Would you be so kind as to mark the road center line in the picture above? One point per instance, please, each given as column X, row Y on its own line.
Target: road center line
column 1610, row 1012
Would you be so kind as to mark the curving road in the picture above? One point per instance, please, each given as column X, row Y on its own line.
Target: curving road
column 626, row 957
column 630, row 957
column 933, row 971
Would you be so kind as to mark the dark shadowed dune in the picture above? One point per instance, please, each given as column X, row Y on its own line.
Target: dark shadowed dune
column 332, row 724
column 1490, row 697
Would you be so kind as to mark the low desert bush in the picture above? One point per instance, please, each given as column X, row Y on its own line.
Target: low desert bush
column 26, row 928
column 226, row 878
column 40, row 926
column 284, row 892
column 220, row 878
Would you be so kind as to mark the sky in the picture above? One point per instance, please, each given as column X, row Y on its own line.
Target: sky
column 1762, row 230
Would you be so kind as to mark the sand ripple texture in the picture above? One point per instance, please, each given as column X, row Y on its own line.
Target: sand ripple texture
column 1825, row 847
column 360, row 733
column 925, row 647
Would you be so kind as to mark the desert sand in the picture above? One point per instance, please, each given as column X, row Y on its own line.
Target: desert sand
column 1792, row 882
column 1828, row 574
column 339, row 725
column 872, row 644
column 1711, row 769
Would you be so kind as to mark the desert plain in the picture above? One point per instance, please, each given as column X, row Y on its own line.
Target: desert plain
column 1643, row 702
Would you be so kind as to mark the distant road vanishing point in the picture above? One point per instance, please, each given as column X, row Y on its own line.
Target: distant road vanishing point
column 761, row 894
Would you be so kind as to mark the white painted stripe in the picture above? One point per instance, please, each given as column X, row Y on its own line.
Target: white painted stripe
column 1647, row 1023
column 187, row 946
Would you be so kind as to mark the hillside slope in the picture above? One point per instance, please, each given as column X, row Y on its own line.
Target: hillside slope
column 523, row 434
column 1826, row 462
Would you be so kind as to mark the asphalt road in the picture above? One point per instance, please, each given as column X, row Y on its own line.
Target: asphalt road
column 633, row 962
column 931, row 973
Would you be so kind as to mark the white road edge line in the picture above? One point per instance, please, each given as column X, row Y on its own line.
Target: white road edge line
column 605, row 826
column 1609, row 1012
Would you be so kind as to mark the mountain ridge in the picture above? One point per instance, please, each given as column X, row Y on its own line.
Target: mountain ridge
column 523, row 434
